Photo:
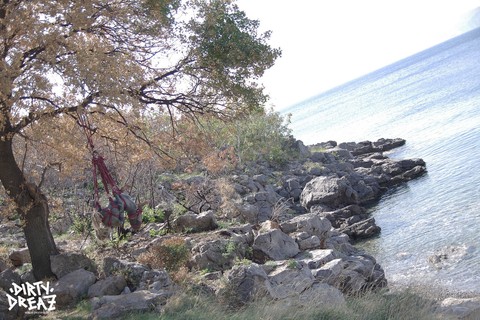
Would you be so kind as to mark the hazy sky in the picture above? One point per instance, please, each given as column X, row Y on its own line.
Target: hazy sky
column 327, row 43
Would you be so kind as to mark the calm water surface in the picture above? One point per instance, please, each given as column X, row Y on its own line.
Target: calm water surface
column 433, row 101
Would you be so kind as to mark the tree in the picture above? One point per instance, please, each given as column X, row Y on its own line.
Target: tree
column 113, row 58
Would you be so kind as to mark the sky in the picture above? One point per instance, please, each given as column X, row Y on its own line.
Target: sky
column 328, row 43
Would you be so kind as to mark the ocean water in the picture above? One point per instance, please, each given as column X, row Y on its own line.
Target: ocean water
column 432, row 100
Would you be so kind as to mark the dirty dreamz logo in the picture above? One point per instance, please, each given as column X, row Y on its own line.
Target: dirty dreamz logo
column 35, row 297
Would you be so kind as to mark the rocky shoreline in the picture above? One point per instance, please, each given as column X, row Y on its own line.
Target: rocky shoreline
column 288, row 237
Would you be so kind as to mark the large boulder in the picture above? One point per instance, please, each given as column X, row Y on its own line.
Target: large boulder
column 245, row 283
column 204, row 221
column 274, row 245
column 64, row 263
column 388, row 172
column 316, row 258
column 109, row 286
column 109, row 307
column 360, row 229
column 352, row 220
column 310, row 223
column 290, row 280
column 365, row 147
column 246, row 212
column 73, row 287
column 216, row 255
column 352, row 274
column 132, row 271
column 340, row 216
column 7, row 277
column 331, row 192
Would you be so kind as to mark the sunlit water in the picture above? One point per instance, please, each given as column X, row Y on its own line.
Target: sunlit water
column 433, row 101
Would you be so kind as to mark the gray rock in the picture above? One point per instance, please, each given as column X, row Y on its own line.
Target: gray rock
column 323, row 294
column 338, row 217
column 325, row 145
column 329, row 191
column 28, row 277
column 292, row 184
column 245, row 283
column 329, row 271
column 460, row 308
column 295, row 194
column 309, row 243
column 132, row 271
column 260, row 178
column 247, row 212
column 320, row 257
column 310, row 223
column 204, row 221
column 383, row 144
column 7, row 277
column 264, row 211
column 6, row 314
column 290, row 280
column 65, row 263
column 450, row 255
column 337, row 239
column 389, row 172
column 157, row 281
column 353, row 274
column 318, row 157
column 274, row 245
column 3, row 265
column 73, row 286
column 109, row 286
column 340, row 153
column 361, row 229
column 109, row 307
column 301, row 148
column 261, row 196
column 368, row 147
column 214, row 254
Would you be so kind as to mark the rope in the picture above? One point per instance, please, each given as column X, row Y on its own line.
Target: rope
column 99, row 168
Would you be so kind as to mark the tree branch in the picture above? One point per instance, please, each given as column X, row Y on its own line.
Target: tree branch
column 44, row 172
column 35, row 116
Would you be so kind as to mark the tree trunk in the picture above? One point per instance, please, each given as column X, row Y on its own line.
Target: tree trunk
column 32, row 206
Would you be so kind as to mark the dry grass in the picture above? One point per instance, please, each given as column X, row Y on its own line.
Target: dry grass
column 171, row 254
column 399, row 306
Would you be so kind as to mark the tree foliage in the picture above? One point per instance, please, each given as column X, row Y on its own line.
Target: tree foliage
column 121, row 62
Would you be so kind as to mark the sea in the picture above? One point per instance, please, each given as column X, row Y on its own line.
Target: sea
column 431, row 99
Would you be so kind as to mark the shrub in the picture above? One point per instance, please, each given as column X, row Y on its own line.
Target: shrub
column 152, row 215
column 82, row 224
column 171, row 254
column 258, row 136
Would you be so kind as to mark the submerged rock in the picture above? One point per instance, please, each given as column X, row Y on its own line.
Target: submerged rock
column 466, row 308
column 449, row 256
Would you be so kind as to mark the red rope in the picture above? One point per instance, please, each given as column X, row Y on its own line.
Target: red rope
column 98, row 161
column 99, row 168
column 107, row 179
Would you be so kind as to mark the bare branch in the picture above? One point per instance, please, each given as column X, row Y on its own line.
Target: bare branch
column 44, row 172
column 35, row 116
